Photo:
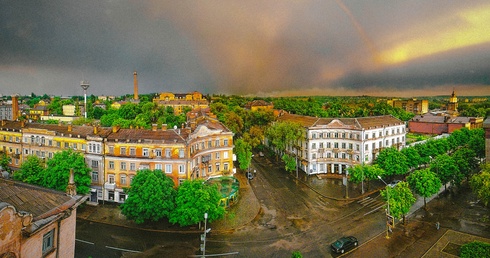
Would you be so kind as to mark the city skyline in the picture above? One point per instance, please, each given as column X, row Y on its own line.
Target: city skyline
column 341, row 48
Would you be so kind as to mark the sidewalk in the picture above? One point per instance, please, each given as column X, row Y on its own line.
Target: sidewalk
column 238, row 215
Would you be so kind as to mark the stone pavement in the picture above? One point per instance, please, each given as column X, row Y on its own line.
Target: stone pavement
column 418, row 238
column 236, row 217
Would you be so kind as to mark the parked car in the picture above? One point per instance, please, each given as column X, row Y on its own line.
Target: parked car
column 344, row 243
column 394, row 183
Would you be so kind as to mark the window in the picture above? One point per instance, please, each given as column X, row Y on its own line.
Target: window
column 313, row 146
column 181, row 153
column 132, row 151
column 225, row 155
column 226, row 166
column 344, row 145
column 168, row 168
column 209, row 144
column 123, row 165
column 158, row 152
column 95, row 163
column 123, row 150
column 167, row 153
column 67, row 145
column 216, row 143
column 329, row 145
column 95, row 176
column 111, row 179
column 217, row 167
column 181, row 169
column 48, row 241
column 132, row 166
column 225, row 142
column 146, row 152
column 111, row 164
column 111, row 149
column 217, row 155
column 336, row 145
column 158, row 166
column 84, row 146
column 123, row 179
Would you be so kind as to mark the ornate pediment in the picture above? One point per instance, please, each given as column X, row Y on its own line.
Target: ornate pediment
column 335, row 123
column 203, row 131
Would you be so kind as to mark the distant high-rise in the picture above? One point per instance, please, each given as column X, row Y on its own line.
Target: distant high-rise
column 135, row 80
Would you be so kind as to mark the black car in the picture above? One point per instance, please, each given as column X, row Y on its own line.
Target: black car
column 343, row 244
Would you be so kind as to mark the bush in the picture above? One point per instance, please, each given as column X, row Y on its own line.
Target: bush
column 475, row 249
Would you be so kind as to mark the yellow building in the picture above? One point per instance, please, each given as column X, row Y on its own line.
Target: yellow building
column 202, row 149
column 415, row 106
column 180, row 101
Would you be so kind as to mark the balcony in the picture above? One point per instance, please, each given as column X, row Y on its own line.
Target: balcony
column 110, row 186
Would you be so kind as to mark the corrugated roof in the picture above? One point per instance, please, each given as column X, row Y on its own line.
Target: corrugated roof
column 40, row 202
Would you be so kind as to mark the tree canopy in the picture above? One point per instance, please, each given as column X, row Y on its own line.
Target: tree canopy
column 392, row 161
column 194, row 198
column 401, row 199
column 425, row 183
column 150, row 197
column 480, row 184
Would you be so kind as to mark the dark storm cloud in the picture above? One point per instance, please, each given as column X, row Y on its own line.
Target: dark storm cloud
column 238, row 47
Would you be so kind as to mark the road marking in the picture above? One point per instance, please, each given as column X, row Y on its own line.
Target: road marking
column 83, row 241
column 122, row 249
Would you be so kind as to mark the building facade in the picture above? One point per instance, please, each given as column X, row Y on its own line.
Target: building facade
column 180, row 101
column 332, row 145
column 441, row 124
column 114, row 155
column 415, row 106
column 36, row 222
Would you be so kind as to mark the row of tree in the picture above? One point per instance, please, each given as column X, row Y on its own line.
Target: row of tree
column 427, row 166
column 55, row 172
column 152, row 197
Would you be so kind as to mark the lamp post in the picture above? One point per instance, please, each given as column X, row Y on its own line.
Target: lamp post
column 85, row 85
column 388, row 205
column 203, row 236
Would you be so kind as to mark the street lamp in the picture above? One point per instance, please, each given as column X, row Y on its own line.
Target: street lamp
column 85, row 85
column 203, row 236
column 388, row 205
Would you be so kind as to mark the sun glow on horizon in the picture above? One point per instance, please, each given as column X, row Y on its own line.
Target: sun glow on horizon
column 472, row 28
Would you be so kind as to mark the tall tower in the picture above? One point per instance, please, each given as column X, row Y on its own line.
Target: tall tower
column 135, row 81
column 15, row 107
column 85, row 85
column 452, row 106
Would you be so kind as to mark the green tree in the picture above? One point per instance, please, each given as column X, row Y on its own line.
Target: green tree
column 5, row 161
column 31, row 170
column 445, row 168
column 194, row 198
column 150, row 197
column 243, row 151
column 425, row 183
column 392, row 161
column 296, row 254
column 289, row 163
column 412, row 156
column 57, row 172
column 400, row 201
column 475, row 249
column 477, row 142
column 466, row 161
column 281, row 134
column 480, row 184
column 361, row 173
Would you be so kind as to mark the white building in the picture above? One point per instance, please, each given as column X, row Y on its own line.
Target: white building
column 331, row 145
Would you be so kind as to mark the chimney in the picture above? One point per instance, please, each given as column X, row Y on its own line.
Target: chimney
column 135, row 80
column 96, row 130
column 70, row 128
column 71, row 188
column 164, row 127
column 153, row 127
column 115, row 128
column 15, row 107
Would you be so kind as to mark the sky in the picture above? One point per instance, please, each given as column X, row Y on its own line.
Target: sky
column 253, row 48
